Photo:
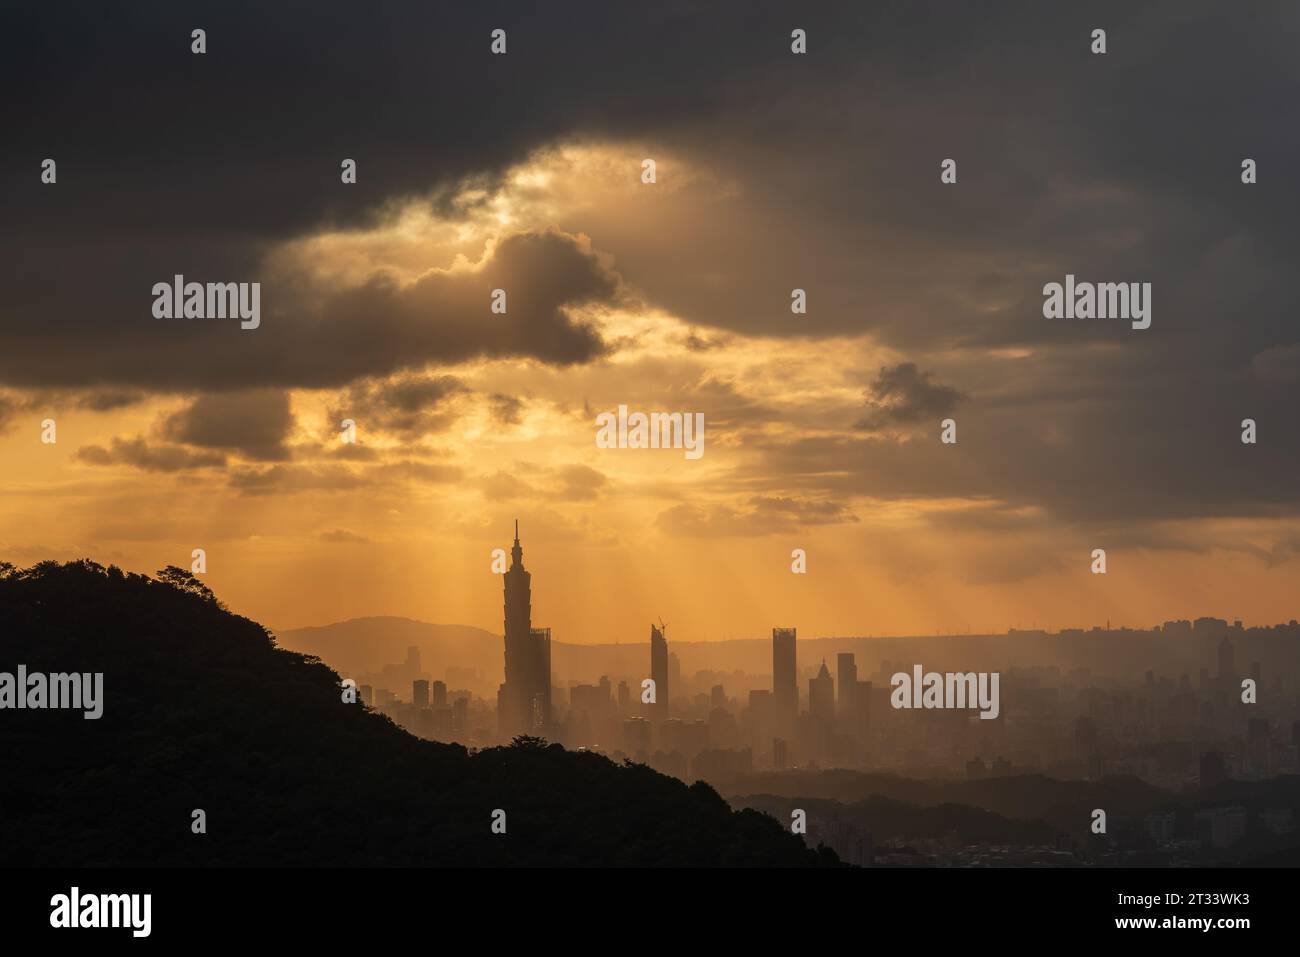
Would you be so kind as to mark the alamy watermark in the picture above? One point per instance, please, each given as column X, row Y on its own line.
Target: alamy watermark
column 949, row 690
column 75, row 909
column 1103, row 300
column 36, row 691
column 179, row 299
column 656, row 430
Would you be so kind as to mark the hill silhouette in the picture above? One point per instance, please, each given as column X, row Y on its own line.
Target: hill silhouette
column 203, row 711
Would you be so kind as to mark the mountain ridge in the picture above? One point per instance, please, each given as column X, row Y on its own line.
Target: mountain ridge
column 204, row 712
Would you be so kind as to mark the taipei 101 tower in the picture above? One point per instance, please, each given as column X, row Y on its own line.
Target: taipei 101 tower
column 524, row 700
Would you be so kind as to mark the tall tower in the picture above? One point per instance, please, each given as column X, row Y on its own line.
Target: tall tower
column 659, row 672
column 785, row 686
column 524, row 702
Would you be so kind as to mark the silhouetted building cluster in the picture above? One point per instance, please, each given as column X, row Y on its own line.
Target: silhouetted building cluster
column 1066, row 722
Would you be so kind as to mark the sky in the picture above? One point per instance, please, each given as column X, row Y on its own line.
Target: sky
column 773, row 172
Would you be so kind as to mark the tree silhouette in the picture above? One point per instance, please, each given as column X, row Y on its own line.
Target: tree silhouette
column 185, row 581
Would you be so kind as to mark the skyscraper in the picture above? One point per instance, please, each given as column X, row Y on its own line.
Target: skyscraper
column 848, row 681
column 1227, row 664
column 821, row 695
column 524, row 701
column 659, row 672
column 785, row 686
column 420, row 694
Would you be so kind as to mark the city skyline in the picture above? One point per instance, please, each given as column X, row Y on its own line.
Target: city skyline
column 1070, row 716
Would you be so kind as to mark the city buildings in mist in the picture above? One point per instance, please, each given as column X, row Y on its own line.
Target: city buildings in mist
column 1162, row 705
column 1078, row 704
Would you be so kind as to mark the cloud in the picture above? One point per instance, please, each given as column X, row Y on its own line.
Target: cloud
column 902, row 395
column 506, row 409
column 413, row 471
column 343, row 537
column 1278, row 365
column 254, row 423
column 1078, row 422
column 310, row 336
column 296, row 478
column 285, row 479
column 762, row 516
column 580, row 483
column 138, row 453
column 10, row 406
column 407, row 404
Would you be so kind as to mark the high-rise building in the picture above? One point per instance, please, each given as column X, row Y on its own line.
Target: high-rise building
column 659, row 672
column 785, row 681
column 524, row 700
column 439, row 694
column 636, row 736
column 420, row 694
column 780, row 753
column 848, row 681
column 821, row 695
column 1227, row 664
column 861, row 711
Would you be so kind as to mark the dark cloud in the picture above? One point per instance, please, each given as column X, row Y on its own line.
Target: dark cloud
column 94, row 400
column 373, row 329
column 902, row 395
column 254, row 423
column 698, row 342
column 506, row 409
column 1104, row 459
column 108, row 400
column 137, row 452
column 781, row 509
column 408, row 404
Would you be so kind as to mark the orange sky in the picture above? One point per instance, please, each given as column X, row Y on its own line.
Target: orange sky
column 808, row 444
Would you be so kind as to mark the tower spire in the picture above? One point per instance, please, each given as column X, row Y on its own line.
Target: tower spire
column 517, row 552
